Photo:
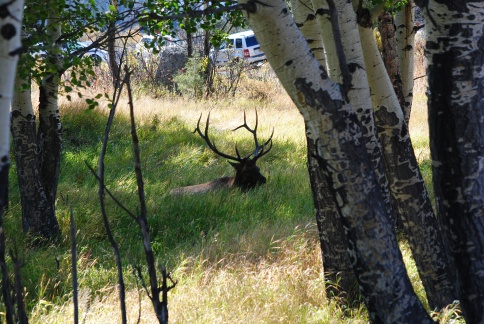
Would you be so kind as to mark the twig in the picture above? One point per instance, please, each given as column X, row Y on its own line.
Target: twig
column 160, row 306
column 110, row 193
column 142, row 219
column 101, row 189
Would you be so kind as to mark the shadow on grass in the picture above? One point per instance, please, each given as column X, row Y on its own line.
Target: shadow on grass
column 172, row 156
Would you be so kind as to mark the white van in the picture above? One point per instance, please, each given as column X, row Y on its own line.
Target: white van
column 241, row 45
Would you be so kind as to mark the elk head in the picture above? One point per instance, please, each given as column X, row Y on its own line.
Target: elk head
column 247, row 173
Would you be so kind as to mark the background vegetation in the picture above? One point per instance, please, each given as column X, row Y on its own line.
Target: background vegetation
column 238, row 257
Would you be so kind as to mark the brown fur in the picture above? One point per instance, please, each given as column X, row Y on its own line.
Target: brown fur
column 247, row 173
column 221, row 183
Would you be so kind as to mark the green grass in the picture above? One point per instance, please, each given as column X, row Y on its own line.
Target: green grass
column 238, row 257
column 220, row 230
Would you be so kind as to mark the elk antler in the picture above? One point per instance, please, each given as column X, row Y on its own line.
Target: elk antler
column 211, row 144
column 260, row 150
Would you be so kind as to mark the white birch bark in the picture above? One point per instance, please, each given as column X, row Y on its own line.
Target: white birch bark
column 10, row 29
column 50, row 126
column 359, row 92
column 333, row 125
column 405, row 36
column 407, row 187
column 332, row 63
column 337, row 268
column 455, row 56
column 306, row 20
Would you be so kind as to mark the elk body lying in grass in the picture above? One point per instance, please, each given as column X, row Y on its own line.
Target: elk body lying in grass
column 247, row 173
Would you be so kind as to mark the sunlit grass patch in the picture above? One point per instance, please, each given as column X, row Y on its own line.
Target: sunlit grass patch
column 239, row 257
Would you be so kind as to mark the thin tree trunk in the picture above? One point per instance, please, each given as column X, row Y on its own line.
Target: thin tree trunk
column 339, row 275
column 407, row 187
column 37, row 155
column 189, row 44
column 49, row 133
column 113, row 63
column 455, row 59
column 36, row 207
column 386, row 26
column 333, row 126
column 405, row 38
column 321, row 9
column 11, row 22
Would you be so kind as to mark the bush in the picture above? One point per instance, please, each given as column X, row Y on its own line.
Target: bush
column 190, row 81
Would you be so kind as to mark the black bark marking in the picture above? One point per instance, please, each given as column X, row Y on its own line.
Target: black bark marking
column 4, row 12
column 8, row 31
column 251, row 7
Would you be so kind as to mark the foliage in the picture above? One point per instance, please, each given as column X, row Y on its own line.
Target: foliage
column 212, row 242
column 190, row 81
column 192, row 17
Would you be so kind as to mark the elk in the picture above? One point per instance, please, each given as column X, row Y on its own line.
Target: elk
column 247, row 173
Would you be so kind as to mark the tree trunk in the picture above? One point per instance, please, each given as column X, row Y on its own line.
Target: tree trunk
column 413, row 206
column 338, row 273
column 189, row 44
column 455, row 56
column 37, row 153
column 332, row 124
column 386, row 26
column 10, row 46
column 320, row 7
column 339, row 276
column 405, row 38
column 38, row 212
column 49, row 135
column 113, row 63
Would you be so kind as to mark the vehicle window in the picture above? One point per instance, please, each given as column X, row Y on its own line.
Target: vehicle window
column 238, row 43
column 251, row 41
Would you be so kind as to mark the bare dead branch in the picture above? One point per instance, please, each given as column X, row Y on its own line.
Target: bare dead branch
column 101, row 190
column 110, row 194
column 160, row 306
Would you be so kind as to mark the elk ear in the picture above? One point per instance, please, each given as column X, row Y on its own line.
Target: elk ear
column 235, row 165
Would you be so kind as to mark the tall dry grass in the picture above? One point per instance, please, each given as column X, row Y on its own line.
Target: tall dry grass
column 271, row 274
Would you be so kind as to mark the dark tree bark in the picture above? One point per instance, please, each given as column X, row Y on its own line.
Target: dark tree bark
column 113, row 64
column 339, row 276
column 455, row 52
column 411, row 202
column 37, row 173
column 386, row 27
column 189, row 44
column 4, row 167
column 344, row 160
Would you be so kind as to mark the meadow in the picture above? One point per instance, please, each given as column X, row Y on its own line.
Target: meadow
column 237, row 257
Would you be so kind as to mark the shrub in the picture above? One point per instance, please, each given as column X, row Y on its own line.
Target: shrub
column 190, row 81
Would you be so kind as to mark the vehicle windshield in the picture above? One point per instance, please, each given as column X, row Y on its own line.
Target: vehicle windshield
column 251, row 41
